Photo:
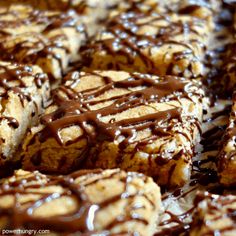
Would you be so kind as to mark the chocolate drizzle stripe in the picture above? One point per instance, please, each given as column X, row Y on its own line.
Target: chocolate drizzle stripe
column 11, row 121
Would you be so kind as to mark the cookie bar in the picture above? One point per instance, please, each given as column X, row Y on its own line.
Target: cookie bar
column 85, row 202
column 23, row 92
column 214, row 215
column 48, row 39
column 110, row 119
column 150, row 43
column 201, row 9
column 226, row 162
column 83, row 7
column 91, row 12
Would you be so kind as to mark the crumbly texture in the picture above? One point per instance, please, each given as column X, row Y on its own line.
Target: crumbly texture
column 213, row 215
column 48, row 39
column 23, row 92
column 226, row 161
column 160, row 44
column 83, row 202
column 109, row 119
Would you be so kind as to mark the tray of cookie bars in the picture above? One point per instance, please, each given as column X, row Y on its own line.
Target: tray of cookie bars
column 117, row 117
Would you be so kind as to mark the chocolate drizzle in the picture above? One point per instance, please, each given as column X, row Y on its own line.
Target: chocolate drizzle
column 81, row 220
column 11, row 78
column 180, row 228
column 11, row 121
column 127, row 41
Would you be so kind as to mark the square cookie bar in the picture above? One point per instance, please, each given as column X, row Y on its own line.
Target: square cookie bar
column 91, row 12
column 202, row 9
column 48, row 39
column 23, row 92
column 214, row 215
column 109, row 119
column 226, row 161
column 161, row 44
column 83, row 7
column 110, row 202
